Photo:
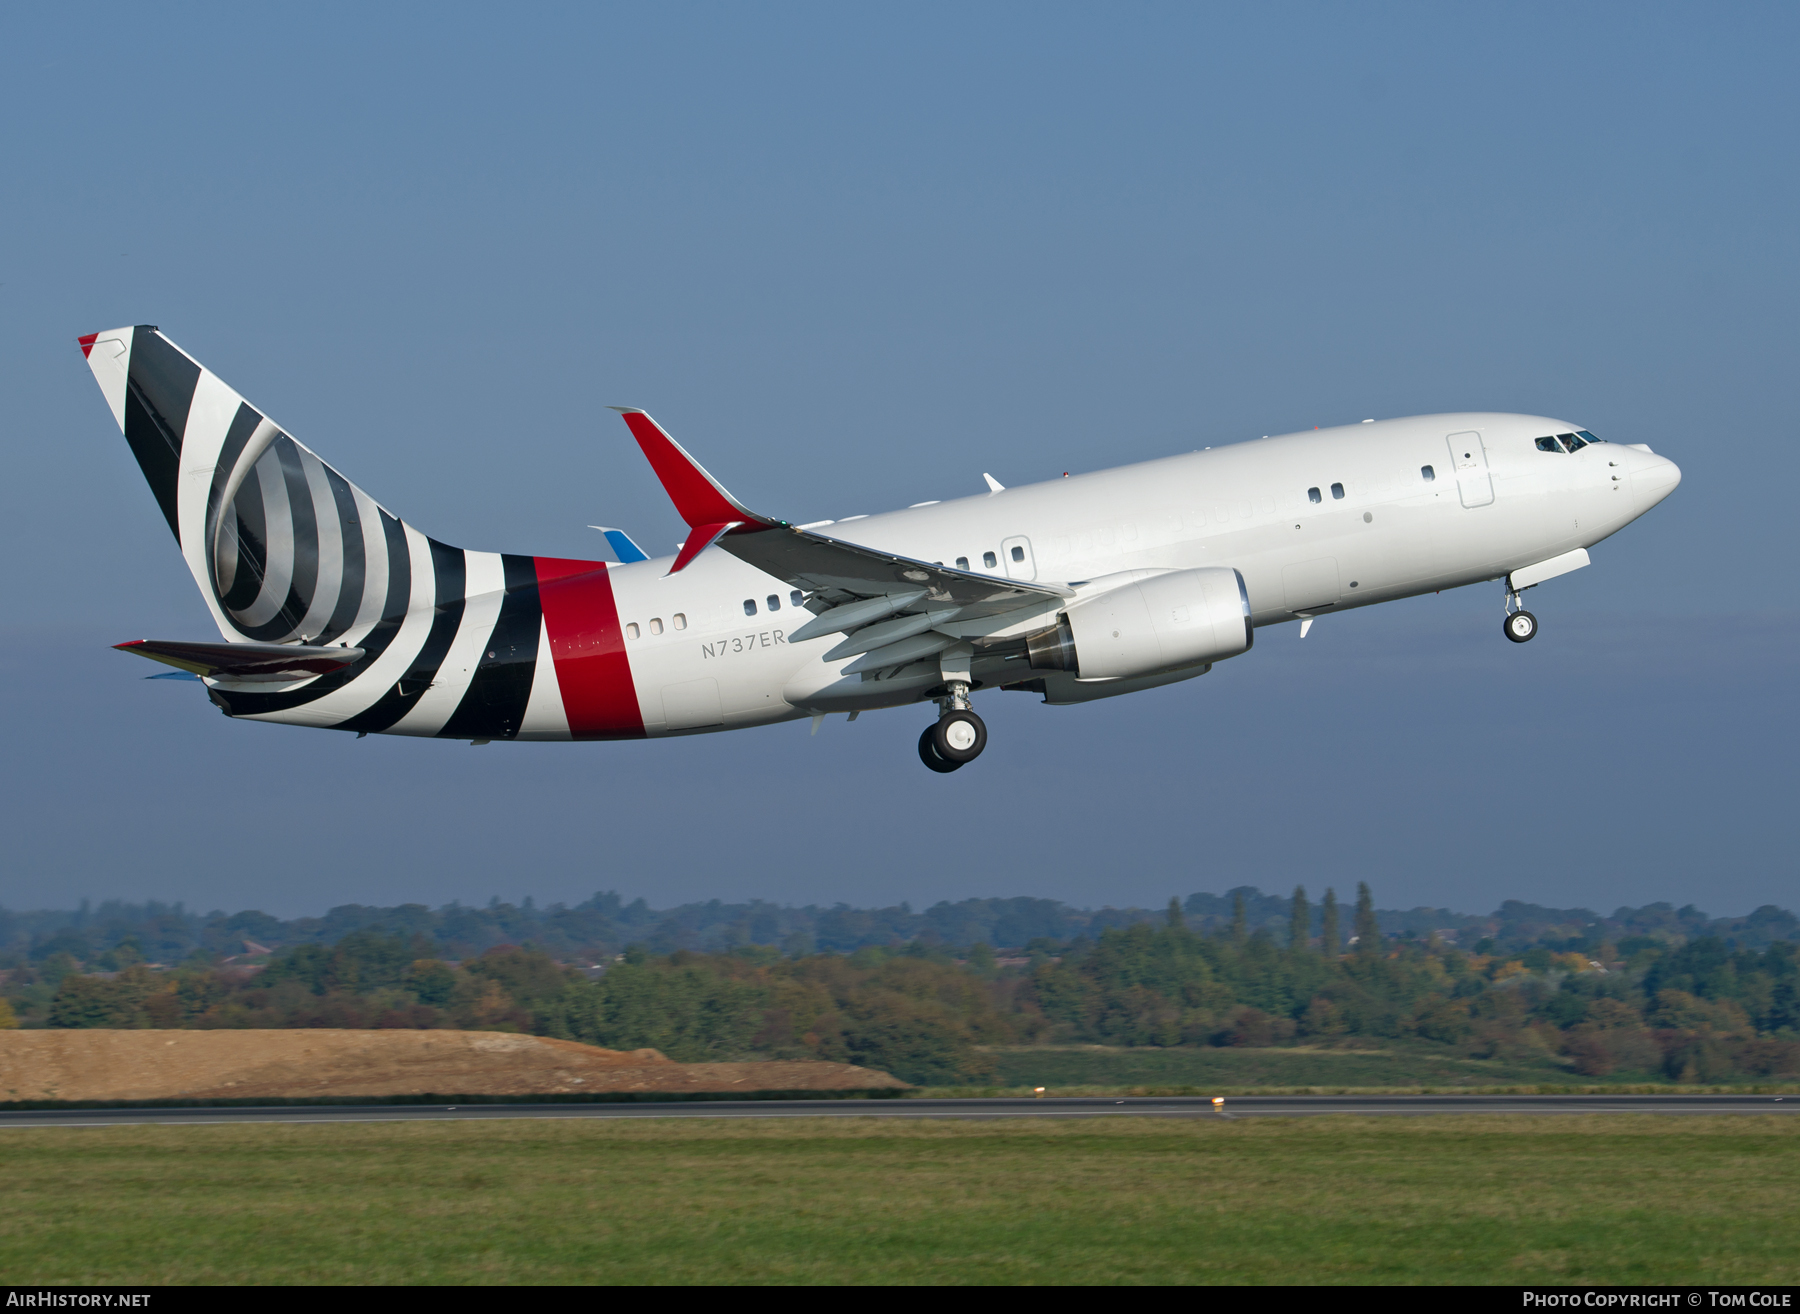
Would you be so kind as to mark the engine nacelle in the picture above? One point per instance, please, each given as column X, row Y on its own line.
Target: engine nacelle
column 1182, row 618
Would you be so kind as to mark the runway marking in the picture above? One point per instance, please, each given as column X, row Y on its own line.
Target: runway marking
column 1285, row 1106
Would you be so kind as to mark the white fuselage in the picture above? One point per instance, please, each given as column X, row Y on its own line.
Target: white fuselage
column 1381, row 529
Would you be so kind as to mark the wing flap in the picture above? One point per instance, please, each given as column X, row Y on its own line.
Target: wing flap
column 849, row 615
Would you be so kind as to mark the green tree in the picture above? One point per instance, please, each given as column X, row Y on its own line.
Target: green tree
column 8, row 1019
column 92, row 1001
column 688, row 1010
column 1368, row 931
column 529, row 975
column 432, row 981
column 1299, row 921
column 1239, row 922
column 915, row 1040
column 1174, row 914
column 1329, row 940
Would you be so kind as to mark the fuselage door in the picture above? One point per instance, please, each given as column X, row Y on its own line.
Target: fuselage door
column 1015, row 555
column 1469, row 458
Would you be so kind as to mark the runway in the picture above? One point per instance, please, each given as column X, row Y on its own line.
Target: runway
column 1234, row 1107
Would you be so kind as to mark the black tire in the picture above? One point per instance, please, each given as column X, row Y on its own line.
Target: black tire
column 1521, row 627
column 928, row 753
column 959, row 737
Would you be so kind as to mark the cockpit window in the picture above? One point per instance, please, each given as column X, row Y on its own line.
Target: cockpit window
column 1583, row 433
column 1570, row 441
column 1548, row 445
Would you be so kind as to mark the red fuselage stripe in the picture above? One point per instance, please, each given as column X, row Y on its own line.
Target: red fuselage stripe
column 588, row 646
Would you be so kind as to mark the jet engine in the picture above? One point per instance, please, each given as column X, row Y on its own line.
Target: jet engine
column 1182, row 618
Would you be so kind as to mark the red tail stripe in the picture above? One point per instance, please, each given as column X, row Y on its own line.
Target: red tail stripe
column 87, row 344
column 587, row 644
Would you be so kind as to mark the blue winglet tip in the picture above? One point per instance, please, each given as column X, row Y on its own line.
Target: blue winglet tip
column 623, row 548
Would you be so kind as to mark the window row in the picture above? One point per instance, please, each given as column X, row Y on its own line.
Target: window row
column 1337, row 490
column 988, row 560
column 678, row 620
column 773, row 602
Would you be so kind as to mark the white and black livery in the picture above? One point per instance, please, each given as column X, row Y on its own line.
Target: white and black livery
column 335, row 613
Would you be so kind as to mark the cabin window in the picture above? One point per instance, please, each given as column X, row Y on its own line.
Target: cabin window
column 989, row 560
column 1312, row 495
column 962, row 563
column 1427, row 473
column 749, row 606
column 680, row 620
column 1337, row 492
column 1548, row 445
column 1018, row 554
column 656, row 625
column 631, row 630
column 796, row 597
column 774, row 601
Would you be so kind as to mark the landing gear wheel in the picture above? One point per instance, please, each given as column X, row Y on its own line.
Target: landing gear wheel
column 928, row 753
column 1521, row 627
column 959, row 736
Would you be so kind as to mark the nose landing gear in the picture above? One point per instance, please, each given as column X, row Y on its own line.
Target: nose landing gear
column 957, row 738
column 1520, row 625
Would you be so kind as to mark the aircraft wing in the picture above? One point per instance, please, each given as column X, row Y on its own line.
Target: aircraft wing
column 837, row 571
column 262, row 662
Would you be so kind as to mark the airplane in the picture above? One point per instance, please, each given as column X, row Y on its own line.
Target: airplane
column 337, row 614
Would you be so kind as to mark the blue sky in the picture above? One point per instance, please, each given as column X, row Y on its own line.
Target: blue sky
column 853, row 257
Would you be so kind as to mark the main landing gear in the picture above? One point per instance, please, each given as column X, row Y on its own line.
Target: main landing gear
column 957, row 738
column 1520, row 625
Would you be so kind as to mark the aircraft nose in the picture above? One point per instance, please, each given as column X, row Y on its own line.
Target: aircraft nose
column 1654, row 480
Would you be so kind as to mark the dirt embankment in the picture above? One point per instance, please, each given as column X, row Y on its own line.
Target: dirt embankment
column 151, row 1065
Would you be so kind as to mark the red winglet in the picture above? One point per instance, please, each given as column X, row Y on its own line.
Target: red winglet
column 87, row 344
column 697, row 496
column 702, row 538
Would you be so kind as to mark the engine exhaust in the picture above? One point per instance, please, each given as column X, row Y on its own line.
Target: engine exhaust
column 1053, row 649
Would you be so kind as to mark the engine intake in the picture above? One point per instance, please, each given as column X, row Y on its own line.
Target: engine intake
column 1183, row 618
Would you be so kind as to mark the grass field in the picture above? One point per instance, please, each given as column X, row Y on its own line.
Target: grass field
column 1620, row 1199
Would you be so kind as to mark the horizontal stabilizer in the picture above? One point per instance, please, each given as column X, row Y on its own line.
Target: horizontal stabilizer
column 275, row 663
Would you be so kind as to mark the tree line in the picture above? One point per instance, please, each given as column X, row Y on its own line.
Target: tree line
column 1657, row 1005
column 113, row 934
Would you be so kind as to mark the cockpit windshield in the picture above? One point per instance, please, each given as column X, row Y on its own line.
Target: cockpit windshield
column 1566, row 442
